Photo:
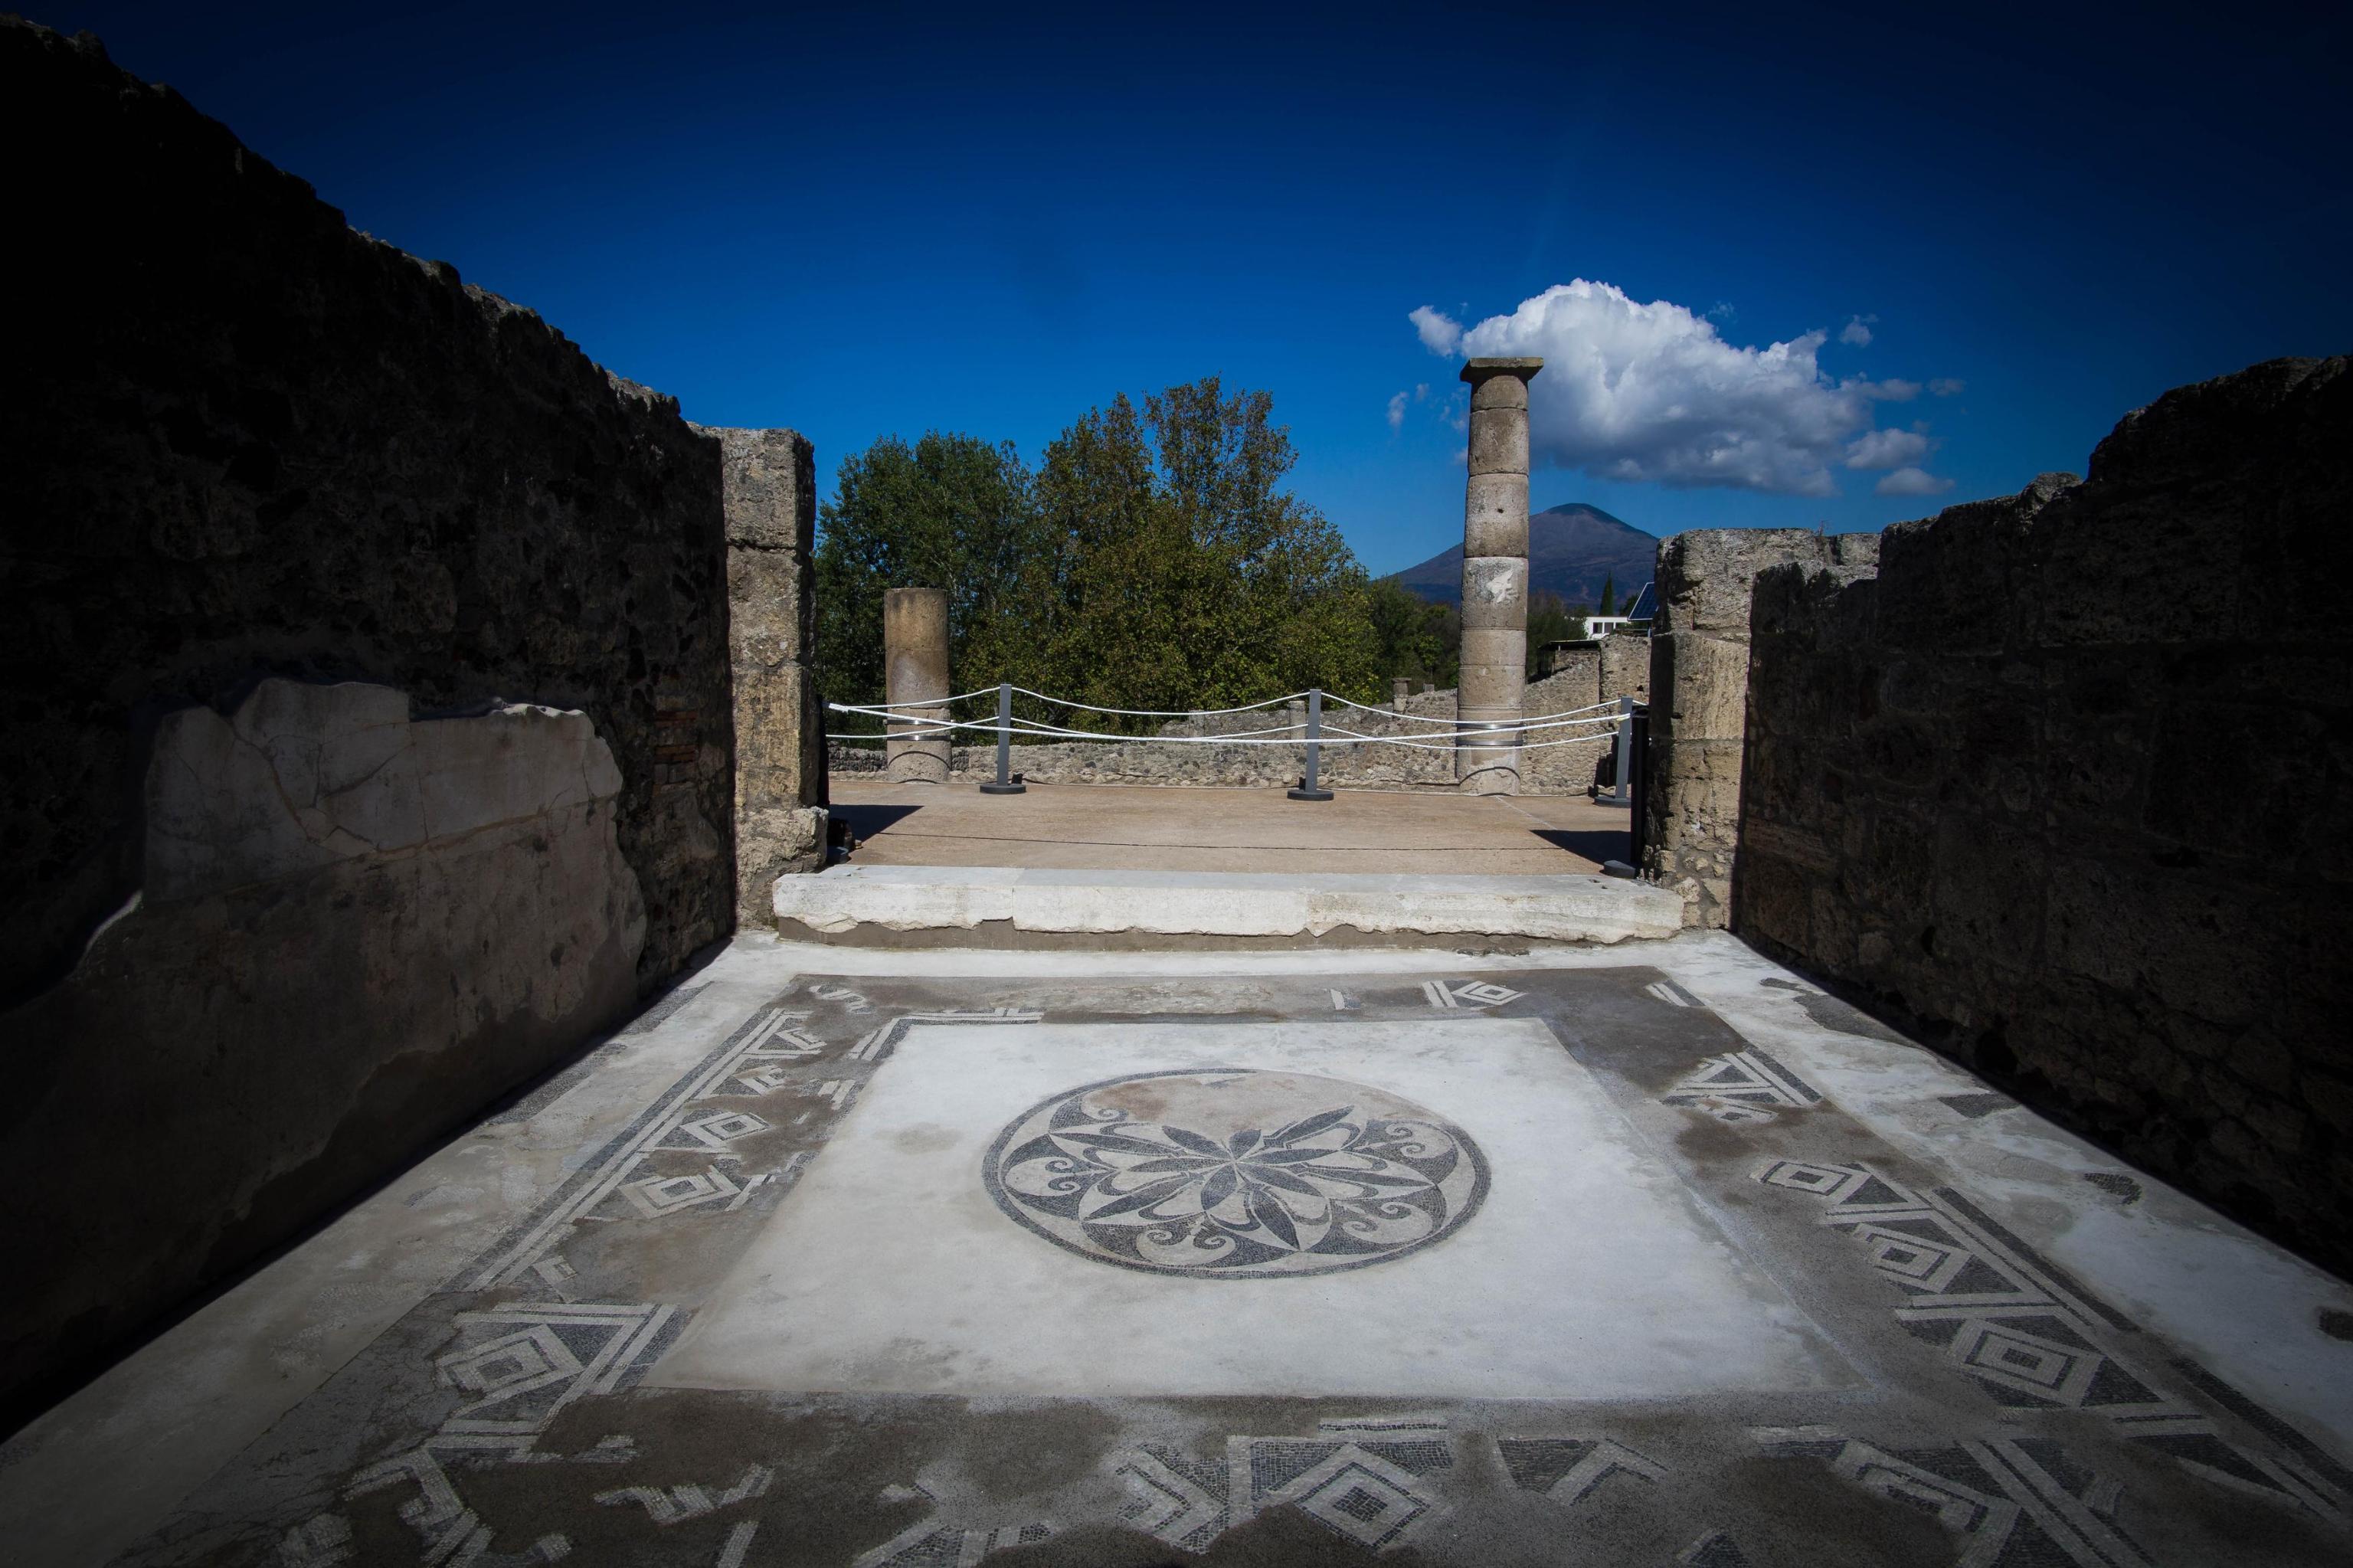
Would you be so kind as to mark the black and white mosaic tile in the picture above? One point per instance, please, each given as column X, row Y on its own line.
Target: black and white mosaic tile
column 1234, row 1173
column 2014, row 1416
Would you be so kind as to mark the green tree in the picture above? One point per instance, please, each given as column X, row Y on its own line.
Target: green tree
column 1154, row 560
column 949, row 512
column 1550, row 621
column 1190, row 577
column 1413, row 637
column 1609, row 596
column 1115, row 565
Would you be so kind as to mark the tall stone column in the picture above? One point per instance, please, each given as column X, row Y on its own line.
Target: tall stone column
column 1495, row 573
column 915, row 669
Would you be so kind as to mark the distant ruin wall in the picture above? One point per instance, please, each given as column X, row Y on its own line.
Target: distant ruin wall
column 239, row 441
column 1699, row 678
column 1555, row 769
column 2069, row 789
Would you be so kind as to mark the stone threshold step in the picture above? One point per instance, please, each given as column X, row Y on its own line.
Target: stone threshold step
column 994, row 906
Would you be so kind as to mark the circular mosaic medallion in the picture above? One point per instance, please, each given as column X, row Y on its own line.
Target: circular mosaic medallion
column 1226, row 1173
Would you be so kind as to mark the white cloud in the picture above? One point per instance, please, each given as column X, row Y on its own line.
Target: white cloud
column 1722, row 311
column 1441, row 333
column 1400, row 402
column 1945, row 386
column 1888, row 448
column 1911, row 482
column 1650, row 392
column 1857, row 331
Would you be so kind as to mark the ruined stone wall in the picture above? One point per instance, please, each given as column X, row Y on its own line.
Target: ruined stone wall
column 770, row 482
column 1625, row 668
column 2067, row 787
column 1582, row 666
column 1699, row 683
column 242, row 444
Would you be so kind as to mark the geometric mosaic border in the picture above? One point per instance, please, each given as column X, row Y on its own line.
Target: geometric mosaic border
column 2036, row 1339
column 1742, row 1085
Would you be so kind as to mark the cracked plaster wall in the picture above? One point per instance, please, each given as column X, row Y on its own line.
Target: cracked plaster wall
column 2066, row 786
column 356, row 928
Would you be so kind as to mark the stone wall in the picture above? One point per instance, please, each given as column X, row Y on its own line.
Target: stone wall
column 244, row 446
column 352, row 927
column 2066, row 788
column 241, row 438
column 1626, row 667
column 1699, row 673
column 1581, row 661
column 770, row 480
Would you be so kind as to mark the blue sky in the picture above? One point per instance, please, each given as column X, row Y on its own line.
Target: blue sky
column 869, row 220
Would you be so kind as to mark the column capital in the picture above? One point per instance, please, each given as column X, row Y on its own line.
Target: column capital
column 1477, row 370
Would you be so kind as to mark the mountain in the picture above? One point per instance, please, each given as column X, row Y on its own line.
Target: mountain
column 1571, row 548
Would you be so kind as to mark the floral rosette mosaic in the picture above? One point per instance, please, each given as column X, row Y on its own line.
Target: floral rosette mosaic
column 1234, row 1173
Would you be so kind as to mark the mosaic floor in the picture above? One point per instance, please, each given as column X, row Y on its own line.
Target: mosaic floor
column 1654, row 1256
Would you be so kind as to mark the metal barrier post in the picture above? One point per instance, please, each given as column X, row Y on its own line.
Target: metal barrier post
column 1307, row 790
column 1636, row 787
column 1621, row 792
column 1006, row 784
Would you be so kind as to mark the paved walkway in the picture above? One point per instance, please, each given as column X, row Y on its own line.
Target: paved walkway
column 1649, row 1255
column 1103, row 827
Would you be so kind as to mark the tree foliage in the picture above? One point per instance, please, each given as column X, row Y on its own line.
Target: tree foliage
column 1153, row 560
column 949, row 512
column 1551, row 621
column 1413, row 637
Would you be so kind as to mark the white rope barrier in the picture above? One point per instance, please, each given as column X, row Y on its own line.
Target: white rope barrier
column 1590, row 739
column 1289, row 733
column 926, row 703
column 1295, row 731
column 1470, row 738
column 893, row 711
column 1597, row 723
column 1055, row 731
column 1325, row 737
column 1157, row 713
column 895, row 734
column 1468, row 727
column 1417, row 718
column 1607, row 726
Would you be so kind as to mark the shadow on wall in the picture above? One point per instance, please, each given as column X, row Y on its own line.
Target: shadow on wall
column 241, row 440
column 1981, row 788
column 356, row 930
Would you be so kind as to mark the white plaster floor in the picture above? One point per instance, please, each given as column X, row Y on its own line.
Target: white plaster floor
column 1586, row 1274
column 1754, row 1281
